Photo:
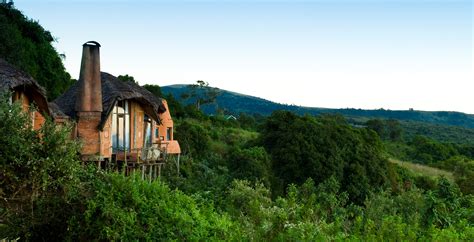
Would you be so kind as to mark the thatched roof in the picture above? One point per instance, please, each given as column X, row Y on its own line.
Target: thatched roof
column 11, row 78
column 56, row 111
column 113, row 90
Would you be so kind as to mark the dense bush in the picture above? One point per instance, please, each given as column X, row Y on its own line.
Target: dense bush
column 193, row 138
column 253, row 164
column 37, row 170
column 429, row 151
column 128, row 208
column 306, row 147
column 463, row 169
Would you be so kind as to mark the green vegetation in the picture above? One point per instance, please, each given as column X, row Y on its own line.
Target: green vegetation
column 231, row 186
column 423, row 170
column 25, row 44
column 305, row 147
column 456, row 158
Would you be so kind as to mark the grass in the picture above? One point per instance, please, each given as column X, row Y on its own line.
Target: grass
column 424, row 170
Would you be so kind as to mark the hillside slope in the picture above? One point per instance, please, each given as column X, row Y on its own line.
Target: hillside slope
column 236, row 103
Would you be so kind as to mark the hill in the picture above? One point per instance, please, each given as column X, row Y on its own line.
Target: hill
column 236, row 103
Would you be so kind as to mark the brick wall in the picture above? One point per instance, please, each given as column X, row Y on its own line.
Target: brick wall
column 88, row 133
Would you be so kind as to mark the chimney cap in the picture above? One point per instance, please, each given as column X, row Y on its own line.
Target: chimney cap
column 91, row 43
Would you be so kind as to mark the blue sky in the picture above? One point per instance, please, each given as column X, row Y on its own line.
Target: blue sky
column 395, row 54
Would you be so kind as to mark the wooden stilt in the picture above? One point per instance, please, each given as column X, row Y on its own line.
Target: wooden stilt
column 159, row 171
column 179, row 156
column 149, row 172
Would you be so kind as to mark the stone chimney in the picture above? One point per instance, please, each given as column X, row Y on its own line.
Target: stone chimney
column 89, row 102
column 90, row 90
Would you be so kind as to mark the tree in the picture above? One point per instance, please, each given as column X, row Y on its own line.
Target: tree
column 194, row 139
column 201, row 93
column 154, row 89
column 127, row 78
column 306, row 147
column 394, row 130
column 251, row 164
column 377, row 125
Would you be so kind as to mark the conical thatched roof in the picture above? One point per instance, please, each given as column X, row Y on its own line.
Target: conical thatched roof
column 113, row 90
column 11, row 78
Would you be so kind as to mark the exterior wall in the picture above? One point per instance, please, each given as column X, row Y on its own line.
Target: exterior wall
column 171, row 144
column 166, row 122
column 88, row 133
column 98, row 144
column 137, row 126
column 137, row 129
column 23, row 98
column 106, row 139
column 38, row 120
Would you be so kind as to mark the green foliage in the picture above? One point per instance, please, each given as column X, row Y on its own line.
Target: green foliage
column 127, row 78
column 98, row 205
column 251, row 164
column 438, row 132
column 413, row 215
column 154, row 89
column 305, row 147
column 307, row 212
column 386, row 129
column 463, row 169
column 25, row 44
column 128, row 208
column 247, row 121
column 429, row 151
column 37, row 169
column 193, row 138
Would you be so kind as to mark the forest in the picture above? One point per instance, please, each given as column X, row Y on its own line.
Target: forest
column 284, row 176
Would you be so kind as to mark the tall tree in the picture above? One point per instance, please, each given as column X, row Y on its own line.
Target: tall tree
column 201, row 93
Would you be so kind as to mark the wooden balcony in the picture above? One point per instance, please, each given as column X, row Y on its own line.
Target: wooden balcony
column 148, row 161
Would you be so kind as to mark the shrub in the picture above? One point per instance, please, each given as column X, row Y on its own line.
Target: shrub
column 37, row 170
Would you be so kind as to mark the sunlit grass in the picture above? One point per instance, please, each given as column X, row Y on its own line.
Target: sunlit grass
column 424, row 170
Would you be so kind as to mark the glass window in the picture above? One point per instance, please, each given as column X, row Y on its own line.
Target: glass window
column 169, row 133
column 147, row 131
column 120, row 127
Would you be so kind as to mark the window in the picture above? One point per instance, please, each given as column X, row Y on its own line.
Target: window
column 157, row 133
column 169, row 133
column 121, row 127
column 148, row 122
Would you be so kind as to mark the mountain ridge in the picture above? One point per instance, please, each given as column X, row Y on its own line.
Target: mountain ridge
column 235, row 103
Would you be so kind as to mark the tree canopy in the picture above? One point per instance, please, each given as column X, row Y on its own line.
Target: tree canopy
column 27, row 45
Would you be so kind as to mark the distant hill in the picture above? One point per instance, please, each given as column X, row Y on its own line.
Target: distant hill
column 236, row 103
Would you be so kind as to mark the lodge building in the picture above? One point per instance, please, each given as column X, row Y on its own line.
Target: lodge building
column 120, row 124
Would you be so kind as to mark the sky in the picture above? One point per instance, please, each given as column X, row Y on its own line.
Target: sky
column 370, row 54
